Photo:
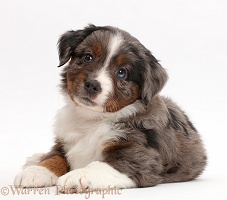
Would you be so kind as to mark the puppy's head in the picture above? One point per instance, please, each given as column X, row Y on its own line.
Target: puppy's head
column 108, row 69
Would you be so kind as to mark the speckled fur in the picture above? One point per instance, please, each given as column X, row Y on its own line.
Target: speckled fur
column 137, row 132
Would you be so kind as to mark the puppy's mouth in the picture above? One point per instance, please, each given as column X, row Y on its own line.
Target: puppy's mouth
column 84, row 98
column 87, row 101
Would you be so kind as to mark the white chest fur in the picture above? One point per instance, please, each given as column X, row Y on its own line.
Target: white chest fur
column 84, row 134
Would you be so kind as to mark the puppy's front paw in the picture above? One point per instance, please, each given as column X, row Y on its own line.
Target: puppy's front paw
column 74, row 181
column 96, row 175
column 35, row 176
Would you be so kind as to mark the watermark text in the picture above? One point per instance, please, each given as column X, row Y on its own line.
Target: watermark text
column 58, row 190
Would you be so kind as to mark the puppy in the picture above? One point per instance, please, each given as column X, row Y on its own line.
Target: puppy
column 115, row 129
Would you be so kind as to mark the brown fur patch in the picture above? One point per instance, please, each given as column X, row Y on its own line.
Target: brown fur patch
column 112, row 147
column 97, row 49
column 121, row 60
column 74, row 81
column 119, row 100
column 70, row 86
column 55, row 164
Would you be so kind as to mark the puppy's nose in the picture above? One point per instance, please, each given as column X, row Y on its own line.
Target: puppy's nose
column 92, row 87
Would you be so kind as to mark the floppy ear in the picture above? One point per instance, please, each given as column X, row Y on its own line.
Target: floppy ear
column 71, row 39
column 155, row 78
column 66, row 44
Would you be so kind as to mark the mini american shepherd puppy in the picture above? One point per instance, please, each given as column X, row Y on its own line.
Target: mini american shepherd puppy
column 115, row 129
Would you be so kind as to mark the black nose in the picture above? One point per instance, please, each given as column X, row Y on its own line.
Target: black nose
column 92, row 87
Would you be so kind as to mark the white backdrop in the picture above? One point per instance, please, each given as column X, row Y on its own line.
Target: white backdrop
column 188, row 37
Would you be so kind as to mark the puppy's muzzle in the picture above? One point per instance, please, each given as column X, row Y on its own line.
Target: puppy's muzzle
column 93, row 88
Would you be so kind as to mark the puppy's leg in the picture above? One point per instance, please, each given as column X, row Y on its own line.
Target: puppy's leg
column 125, row 165
column 138, row 161
column 190, row 165
column 43, row 170
column 191, row 156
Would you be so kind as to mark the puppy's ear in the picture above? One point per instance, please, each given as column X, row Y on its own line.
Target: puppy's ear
column 66, row 44
column 70, row 40
column 155, row 78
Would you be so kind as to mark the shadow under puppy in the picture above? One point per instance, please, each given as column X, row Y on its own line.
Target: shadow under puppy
column 115, row 129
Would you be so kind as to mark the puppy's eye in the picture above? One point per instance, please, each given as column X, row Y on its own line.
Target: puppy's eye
column 121, row 73
column 87, row 58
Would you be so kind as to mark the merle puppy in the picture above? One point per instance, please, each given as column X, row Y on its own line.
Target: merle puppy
column 115, row 129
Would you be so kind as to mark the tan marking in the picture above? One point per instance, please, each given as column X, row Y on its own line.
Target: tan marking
column 97, row 49
column 117, row 102
column 74, row 81
column 121, row 60
column 79, row 78
column 55, row 164
column 70, row 86
column 112, row 148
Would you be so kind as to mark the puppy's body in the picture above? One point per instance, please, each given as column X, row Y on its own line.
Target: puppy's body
column 115, row 130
